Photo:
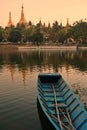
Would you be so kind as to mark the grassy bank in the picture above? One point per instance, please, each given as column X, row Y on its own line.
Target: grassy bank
column 42, row 47
column 4, row 47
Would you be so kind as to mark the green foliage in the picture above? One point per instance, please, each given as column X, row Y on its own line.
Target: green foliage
column 1, row 34
column 55, row 27
column 41, row 33
column 29, row 33
column 79, row 31
column 62, row 36
column 14, row 35
column 37, row 37
column 54, row 34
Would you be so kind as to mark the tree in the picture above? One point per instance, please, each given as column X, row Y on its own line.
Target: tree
column 54, row 31
column 14, row 35
column 79, row 32
column 29, row 33
column 1, row 33
column 55, row 26
column 38, row 35
column 62, row 35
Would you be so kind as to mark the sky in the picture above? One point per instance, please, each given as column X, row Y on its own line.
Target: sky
column 44, row 10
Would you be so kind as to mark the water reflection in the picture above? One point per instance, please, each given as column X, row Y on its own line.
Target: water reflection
column 43, row 60
column 68, row 63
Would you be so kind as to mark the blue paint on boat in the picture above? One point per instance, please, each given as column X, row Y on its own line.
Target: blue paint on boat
column 66, row 106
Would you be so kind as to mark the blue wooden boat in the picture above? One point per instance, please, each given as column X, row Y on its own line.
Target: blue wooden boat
column 59, row 103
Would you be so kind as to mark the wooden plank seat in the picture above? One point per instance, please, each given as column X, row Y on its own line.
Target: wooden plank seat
column 60, row 105
column 60, row 99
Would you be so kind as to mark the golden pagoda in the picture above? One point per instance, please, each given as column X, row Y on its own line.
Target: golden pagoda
column 67, row 24
column 24, row 75
column 10, row 20
column 12, row 71
column 22, row 19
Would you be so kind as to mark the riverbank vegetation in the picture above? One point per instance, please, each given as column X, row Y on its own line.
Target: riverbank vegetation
column 40, row 34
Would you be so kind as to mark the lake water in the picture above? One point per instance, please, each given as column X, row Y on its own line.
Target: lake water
column 18, row 77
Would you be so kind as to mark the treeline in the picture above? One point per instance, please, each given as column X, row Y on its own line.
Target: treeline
column 42, row 34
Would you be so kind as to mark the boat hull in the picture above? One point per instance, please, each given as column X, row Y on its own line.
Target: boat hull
column 59, row 103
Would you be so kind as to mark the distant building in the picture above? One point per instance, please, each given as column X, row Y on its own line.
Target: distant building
column 9, row 21
column 23, row 22
column 22, row 19
column 67, row 25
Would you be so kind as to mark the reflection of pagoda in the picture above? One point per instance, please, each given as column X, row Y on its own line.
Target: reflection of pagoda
column 24, row 75
column 10, row 20
column 12, row 71
column 22, row 19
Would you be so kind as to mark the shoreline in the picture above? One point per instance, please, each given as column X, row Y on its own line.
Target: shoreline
column 20, row 48
column 42, row 47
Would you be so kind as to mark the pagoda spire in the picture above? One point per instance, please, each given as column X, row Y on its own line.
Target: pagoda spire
column 22, row 19
column 67, row 24
column 10, row 20
column 22, row 13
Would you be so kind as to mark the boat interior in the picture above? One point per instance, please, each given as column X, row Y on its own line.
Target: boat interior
column 61, row 103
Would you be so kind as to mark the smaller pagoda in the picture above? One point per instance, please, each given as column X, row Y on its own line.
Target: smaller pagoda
column 10, row 21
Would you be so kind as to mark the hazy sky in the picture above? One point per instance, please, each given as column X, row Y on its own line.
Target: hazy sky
column 46, row 10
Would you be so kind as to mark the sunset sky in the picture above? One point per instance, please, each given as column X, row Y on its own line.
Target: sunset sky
column 44, row 10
